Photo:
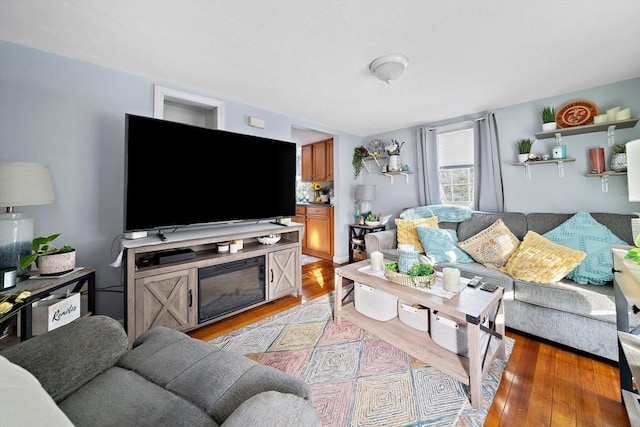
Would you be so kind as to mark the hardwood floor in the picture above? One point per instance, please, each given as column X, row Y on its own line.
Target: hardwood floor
column 542, row 385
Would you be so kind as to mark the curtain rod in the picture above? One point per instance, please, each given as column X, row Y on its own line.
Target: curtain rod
column 479, row 119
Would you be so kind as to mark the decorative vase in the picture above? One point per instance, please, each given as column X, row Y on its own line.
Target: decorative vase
column 408, row 257
column 549, row 126
column 523, row 157
column 394, row 164
column 596, row 155
column 619, row 162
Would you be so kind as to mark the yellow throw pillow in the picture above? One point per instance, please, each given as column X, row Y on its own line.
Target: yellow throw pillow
column 540, row 260
column 493, row 246
column 406, row 230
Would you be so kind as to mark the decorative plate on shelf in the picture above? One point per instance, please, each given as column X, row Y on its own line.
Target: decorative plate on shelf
column 576, row 113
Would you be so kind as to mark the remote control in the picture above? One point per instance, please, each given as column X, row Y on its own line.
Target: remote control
column 489, row 287
column 475, row 282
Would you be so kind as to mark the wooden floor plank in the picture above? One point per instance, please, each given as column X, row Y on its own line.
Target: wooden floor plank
column 541, row 385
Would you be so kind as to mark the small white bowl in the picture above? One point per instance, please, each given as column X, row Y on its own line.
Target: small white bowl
column 372, row 223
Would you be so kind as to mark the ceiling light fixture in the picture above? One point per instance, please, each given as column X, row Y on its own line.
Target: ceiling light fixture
column 389, row 67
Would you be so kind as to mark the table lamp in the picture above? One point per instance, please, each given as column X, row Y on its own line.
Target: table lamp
column 365, row 194
column 21, row 184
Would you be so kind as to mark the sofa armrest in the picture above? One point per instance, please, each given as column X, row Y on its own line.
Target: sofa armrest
column 379, row 241
column 272, row 408
column 66, row 358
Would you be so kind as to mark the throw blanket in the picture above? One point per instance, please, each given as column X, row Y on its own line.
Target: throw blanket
column 445, row 213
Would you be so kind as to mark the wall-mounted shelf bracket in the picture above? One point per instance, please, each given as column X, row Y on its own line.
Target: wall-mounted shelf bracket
column 604, row 178
column 611, row 130
column 366, row 164
column 561, row 169
column 391, row 174
column 558, row 138
column 604, row 182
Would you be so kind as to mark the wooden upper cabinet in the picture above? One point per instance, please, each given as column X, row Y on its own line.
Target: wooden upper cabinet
column 329, row 152
column 317, row 161
column 307, row 163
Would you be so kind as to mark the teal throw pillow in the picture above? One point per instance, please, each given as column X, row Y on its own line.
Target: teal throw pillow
column 584, row 233
column 440, row 244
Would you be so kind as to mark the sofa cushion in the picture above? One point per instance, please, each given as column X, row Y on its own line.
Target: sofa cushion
column 493, row 246
column 540, row 260
column 406, row 230
column 441, row 245
column 596, row 302
column 24, row 401
column 138, row 402
column 515, row 221
column 583, row 232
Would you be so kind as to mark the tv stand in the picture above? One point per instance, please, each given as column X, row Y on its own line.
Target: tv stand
column 167, row 294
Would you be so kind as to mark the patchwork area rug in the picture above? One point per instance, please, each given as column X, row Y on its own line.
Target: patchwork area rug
column 308, row 259
column 357, row 379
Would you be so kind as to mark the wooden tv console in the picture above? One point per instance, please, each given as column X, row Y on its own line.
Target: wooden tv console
column 167, row 294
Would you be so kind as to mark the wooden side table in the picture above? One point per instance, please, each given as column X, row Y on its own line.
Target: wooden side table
column 357, row 249
column 41, row 288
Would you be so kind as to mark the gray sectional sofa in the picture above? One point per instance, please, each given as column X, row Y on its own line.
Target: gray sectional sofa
column 166, row 379
column 575, row 315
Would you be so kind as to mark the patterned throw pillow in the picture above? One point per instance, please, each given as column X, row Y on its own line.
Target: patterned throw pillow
column 584, row 233
column 406, row 230
column 493, row 246
column 440, row 243
column 540, row 260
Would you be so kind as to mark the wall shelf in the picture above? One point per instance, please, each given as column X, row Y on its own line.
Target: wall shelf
column 610, row 127
column 389, row 174
column 604, row 178
column 560, row 162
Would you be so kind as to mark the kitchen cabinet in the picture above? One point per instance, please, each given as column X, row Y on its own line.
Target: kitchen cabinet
column 317, row 161
column 318, row 230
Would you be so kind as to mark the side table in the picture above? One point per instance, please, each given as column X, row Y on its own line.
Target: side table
column 357, row 249
column 41, row 288
column 626, row 284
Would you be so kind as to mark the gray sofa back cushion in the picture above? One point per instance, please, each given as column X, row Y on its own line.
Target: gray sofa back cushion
column 515, row 221
column 619, row 224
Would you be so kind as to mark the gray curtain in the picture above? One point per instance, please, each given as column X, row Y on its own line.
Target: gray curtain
column 428, row 175
column 488, row 192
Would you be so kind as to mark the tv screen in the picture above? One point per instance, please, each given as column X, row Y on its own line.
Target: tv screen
column 179, row 175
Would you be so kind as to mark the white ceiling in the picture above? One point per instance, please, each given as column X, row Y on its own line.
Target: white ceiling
column 309, row 59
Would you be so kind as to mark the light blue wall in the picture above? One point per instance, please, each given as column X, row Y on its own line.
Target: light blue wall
column 545, row 191
column 70, row 115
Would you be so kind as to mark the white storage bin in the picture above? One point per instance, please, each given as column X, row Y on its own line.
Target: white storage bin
column 375, row 303
column 414, row 315
column 54, row 311
column 452, row 334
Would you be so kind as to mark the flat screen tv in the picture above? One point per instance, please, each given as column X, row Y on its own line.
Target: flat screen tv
column 178, row 175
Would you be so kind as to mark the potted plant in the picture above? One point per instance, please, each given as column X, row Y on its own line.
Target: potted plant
column 548, row 115
column 619, row 158
column 324, row 196
column 50, row 260
column 524, row 148
column 357, row 161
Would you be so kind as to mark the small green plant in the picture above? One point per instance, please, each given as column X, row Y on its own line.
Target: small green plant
column 548, row 115
column 619, row 148
column 372, row 217
column 358, row 160
column 524, row 145
column 43, row 246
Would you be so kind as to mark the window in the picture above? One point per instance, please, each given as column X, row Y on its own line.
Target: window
column 456, row 167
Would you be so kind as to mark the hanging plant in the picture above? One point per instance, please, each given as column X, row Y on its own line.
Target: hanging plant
column 358, row 160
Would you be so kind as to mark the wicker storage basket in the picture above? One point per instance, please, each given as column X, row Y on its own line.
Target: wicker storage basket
column 406, row 280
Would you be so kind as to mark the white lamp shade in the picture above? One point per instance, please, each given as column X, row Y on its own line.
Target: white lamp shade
column 25, row 184
column 366, row 192
column 633, row 169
